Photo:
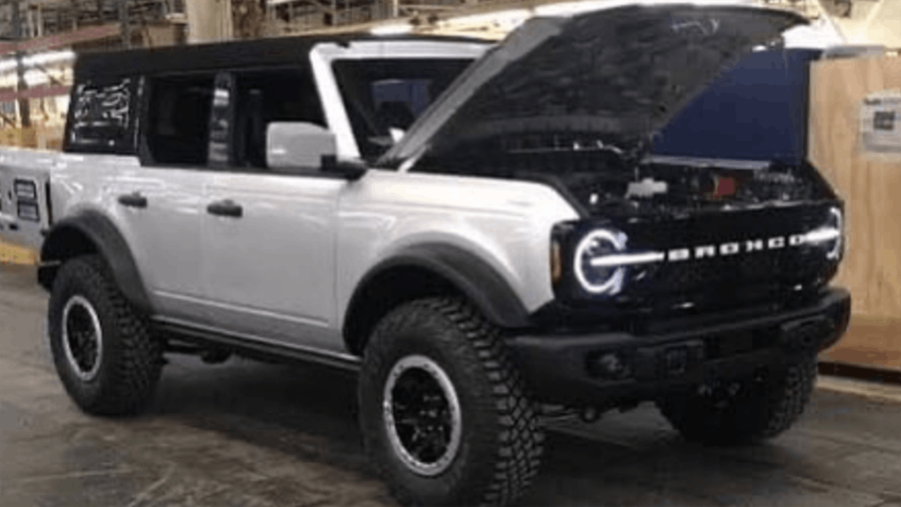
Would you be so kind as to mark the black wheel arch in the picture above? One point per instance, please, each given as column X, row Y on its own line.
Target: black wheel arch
column 428, row 270
column 90, row 232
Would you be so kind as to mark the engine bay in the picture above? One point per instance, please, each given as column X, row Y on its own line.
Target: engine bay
column 607, row 180
column 676, row 187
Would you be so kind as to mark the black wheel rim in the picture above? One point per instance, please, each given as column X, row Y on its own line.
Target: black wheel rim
column 422, row 415
column 82, row 337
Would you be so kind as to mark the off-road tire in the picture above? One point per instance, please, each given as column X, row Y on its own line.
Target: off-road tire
column 762, row 408
column 502, row 441
column 131, row 359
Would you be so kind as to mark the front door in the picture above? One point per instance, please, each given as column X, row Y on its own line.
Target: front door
column 269, row 237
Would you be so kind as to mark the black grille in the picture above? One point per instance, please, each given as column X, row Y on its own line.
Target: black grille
column 730, row 273
column 710, row 272
column 722, row 281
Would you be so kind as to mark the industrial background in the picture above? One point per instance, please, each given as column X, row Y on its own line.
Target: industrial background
column 38, row 38
column 250, row 434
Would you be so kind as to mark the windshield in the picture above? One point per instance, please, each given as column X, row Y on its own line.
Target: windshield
column 384, row 97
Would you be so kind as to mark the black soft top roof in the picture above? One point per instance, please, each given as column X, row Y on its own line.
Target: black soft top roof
column 223, row 55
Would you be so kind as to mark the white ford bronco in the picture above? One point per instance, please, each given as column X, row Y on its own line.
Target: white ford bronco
column 477, row 229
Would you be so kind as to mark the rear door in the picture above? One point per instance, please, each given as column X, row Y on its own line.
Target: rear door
column 150, row 196
column 161, row 201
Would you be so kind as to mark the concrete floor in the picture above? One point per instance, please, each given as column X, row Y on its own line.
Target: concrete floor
column 871, row 341
column 248, row 434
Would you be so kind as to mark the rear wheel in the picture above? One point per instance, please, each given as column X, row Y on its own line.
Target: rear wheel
column 443, row 411
column 746, row 410
column 107, row 361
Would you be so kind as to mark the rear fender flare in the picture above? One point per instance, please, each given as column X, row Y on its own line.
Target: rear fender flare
column 107, row 241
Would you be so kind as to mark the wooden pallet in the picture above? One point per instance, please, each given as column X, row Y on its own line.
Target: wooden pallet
column 14, row 254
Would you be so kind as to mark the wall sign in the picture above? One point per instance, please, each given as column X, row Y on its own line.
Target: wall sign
column 880, row 122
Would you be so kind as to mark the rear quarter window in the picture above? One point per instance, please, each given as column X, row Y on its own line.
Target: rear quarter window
column 102, row 116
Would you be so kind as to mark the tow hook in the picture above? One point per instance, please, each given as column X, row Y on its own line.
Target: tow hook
column 589, row 415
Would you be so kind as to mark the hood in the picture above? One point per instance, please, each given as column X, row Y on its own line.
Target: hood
column 621, row 73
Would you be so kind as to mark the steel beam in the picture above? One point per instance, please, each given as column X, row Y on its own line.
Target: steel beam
column 35, row 93
column 92, row 33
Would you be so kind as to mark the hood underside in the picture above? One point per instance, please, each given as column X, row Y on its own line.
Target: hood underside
column 620, row 73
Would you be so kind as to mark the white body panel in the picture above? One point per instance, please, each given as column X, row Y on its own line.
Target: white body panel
column 271, row 272
column 288, row 268
column 164, row 237
column 505, row 223
column 32, row 166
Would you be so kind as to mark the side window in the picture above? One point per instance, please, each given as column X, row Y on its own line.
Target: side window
column 177, row 127
column 101, row 118
column 263, row 97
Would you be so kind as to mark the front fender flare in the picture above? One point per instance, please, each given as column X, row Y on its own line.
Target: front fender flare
column 472, row 276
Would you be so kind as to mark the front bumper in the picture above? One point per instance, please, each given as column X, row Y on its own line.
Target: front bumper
column 617, row 367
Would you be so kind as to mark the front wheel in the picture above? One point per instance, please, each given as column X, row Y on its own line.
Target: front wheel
column 443, row 411
column 743, row 411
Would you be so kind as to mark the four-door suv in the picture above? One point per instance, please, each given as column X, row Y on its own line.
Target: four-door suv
column 476, row 229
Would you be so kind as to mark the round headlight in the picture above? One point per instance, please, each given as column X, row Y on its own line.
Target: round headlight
column 836, row 221
column 599, row 279
column 830, row 236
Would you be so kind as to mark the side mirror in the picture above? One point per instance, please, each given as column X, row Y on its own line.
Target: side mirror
column 296, row 145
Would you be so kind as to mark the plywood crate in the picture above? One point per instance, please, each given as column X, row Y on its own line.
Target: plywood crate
column 20, row 137
column 14, row 254
column 49, row 137
column 870, row 184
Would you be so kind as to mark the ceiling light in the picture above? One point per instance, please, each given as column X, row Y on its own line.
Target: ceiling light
column 36, row 77
column 395, row 29
column 48, row 58
column 508, row 17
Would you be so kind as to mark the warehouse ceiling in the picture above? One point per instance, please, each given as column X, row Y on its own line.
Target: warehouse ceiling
column 486, row 18
column 36, row 18
column 23, row 19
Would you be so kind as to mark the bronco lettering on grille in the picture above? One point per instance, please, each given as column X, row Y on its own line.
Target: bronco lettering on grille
column 734, row 248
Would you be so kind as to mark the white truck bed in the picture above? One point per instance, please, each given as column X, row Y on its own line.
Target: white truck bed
column 24, row 178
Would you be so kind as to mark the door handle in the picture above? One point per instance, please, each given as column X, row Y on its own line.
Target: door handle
column 135, row 200
column 226, row 208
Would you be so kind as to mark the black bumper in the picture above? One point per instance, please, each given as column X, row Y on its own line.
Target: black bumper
column 609, row 368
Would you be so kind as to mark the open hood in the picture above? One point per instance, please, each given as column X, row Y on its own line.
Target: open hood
column 619, row 73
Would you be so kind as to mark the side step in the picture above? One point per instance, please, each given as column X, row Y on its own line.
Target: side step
column 254, row 346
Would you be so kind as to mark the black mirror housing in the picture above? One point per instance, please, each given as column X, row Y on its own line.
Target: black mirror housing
column 349, row 170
